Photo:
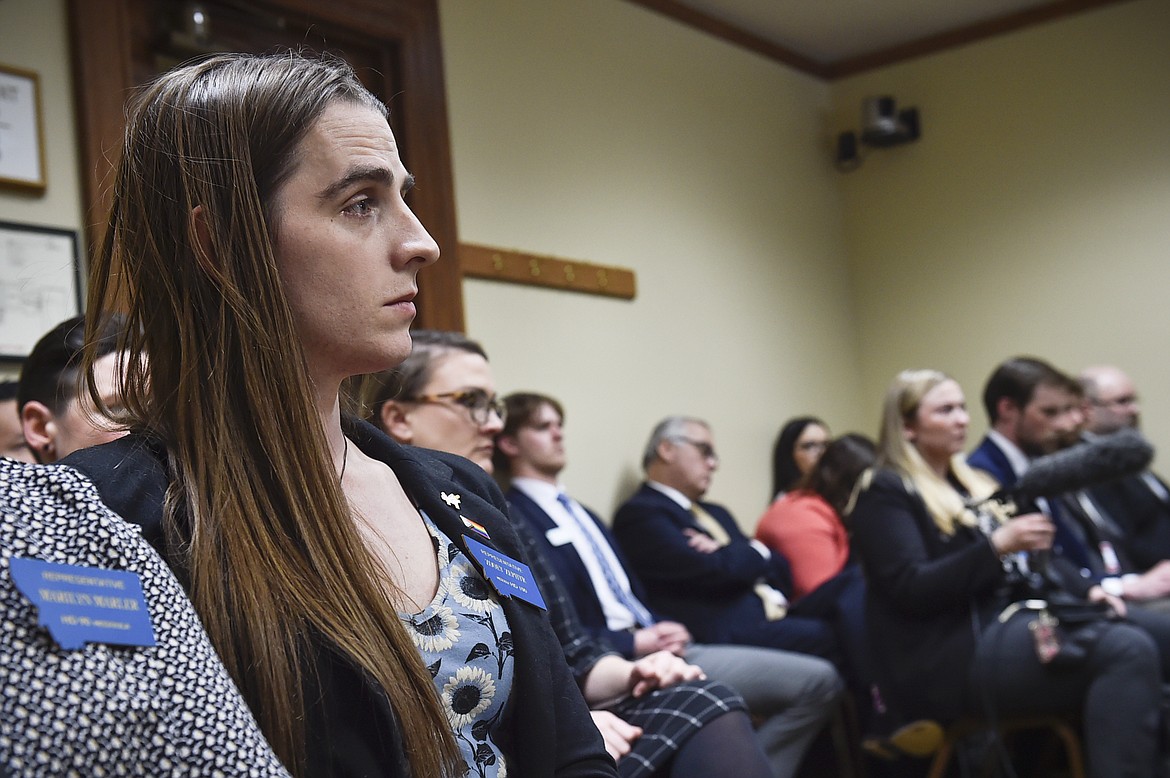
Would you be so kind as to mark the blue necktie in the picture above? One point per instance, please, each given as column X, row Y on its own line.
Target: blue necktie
column 641, row 615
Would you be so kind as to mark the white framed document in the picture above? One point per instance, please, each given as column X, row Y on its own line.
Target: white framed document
column 22, row 151
column 40, row 284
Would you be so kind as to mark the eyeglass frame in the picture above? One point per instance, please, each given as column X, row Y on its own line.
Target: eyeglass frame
column 480, row 411
column 705, row 449
column 1117, row 402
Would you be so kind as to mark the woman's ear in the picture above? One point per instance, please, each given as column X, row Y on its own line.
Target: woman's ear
column 40, row 430
column 395, row 420
column 204, row 247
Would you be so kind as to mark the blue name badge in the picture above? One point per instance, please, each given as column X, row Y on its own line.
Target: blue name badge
column 82, row 605
column 509, row 577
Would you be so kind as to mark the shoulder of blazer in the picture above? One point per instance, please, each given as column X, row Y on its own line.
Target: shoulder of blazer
column 524, row 506
column 649, row 496
column 891, row 481
column 131, row 475
column 991, row 459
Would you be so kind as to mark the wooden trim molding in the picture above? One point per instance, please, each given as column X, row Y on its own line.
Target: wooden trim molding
column 495, row 264
column 964, row 35
column 854, row 65
column 110, row 36
column 732, row 34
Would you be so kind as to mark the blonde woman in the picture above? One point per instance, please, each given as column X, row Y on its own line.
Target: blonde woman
column 936, row 578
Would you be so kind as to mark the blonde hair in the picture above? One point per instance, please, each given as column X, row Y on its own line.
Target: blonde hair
column 216, row 372
column 944, row 503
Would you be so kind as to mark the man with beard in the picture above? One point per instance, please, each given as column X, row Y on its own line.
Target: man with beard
column 1034, row 409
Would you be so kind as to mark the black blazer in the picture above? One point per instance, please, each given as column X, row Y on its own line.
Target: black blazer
column 712, row 594
column 927, row 597
column 352, row 729
column 1143, row 515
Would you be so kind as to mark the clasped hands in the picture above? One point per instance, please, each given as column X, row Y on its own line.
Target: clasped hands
column 613, row 677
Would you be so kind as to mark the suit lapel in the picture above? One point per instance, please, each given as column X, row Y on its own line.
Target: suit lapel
column 684, row 517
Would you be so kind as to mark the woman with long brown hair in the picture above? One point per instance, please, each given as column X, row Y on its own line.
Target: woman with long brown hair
column 263, row 248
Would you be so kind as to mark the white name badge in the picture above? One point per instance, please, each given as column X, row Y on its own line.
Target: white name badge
column 559, row 536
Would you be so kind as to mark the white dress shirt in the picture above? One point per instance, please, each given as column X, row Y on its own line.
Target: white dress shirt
column 570, row 529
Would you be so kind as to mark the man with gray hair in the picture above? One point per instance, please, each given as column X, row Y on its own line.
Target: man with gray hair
column 1139, row 504
column 697, row 565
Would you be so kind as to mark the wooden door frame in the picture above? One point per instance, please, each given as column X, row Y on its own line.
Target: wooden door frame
column 101, row 34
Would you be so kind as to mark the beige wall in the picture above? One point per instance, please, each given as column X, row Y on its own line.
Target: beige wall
column 600, row 131
column 33, row 37
column 1034, row 214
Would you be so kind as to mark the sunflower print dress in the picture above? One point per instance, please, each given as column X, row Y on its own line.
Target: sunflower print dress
column 466, row 645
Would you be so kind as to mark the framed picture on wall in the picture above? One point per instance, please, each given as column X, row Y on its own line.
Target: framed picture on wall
column 22, row 153
column 40, row 284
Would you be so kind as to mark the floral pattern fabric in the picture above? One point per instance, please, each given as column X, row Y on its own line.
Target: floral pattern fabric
column 465, row 642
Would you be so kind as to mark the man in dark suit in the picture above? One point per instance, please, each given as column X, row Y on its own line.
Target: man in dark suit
column 1034, row 409
column 697, row 565
column 1140, row 504
column 794, row 694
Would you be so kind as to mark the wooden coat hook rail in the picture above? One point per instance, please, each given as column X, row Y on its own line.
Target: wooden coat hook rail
column 517, row 267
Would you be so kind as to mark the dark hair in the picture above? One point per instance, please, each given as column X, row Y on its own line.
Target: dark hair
column 8, row 390
column 411, row 376
column 51, row 374
column 838, row 469
column 1017, row 379
column 785, row 473
column 216, row 370
column 519, row 408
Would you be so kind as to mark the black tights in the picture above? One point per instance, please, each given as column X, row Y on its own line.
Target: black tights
column 724, row 746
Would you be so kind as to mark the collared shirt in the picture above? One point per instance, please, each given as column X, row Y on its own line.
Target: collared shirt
column 1015, row 457
column 685, row 503
column 570, row 529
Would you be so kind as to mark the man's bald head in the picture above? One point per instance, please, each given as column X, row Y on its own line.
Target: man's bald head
column 1111, row 402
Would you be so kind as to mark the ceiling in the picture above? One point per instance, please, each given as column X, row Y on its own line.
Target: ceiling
column 831, row 38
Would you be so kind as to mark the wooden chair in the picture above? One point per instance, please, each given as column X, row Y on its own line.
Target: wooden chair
column 965, row 727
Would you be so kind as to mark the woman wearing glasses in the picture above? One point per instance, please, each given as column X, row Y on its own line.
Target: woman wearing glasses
column 657, row 715
column 261, row 243
column 426, row 400
column 798, row 447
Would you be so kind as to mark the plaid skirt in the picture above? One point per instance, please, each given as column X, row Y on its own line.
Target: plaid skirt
column 668, row 717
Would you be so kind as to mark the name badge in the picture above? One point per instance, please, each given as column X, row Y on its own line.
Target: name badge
column 559, row 536
column 509, row 577
column 80, row 605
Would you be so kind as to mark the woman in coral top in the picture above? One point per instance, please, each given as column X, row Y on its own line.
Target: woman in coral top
column 805, row 524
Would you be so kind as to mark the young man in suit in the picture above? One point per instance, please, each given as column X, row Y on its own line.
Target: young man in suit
column 795, row 694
